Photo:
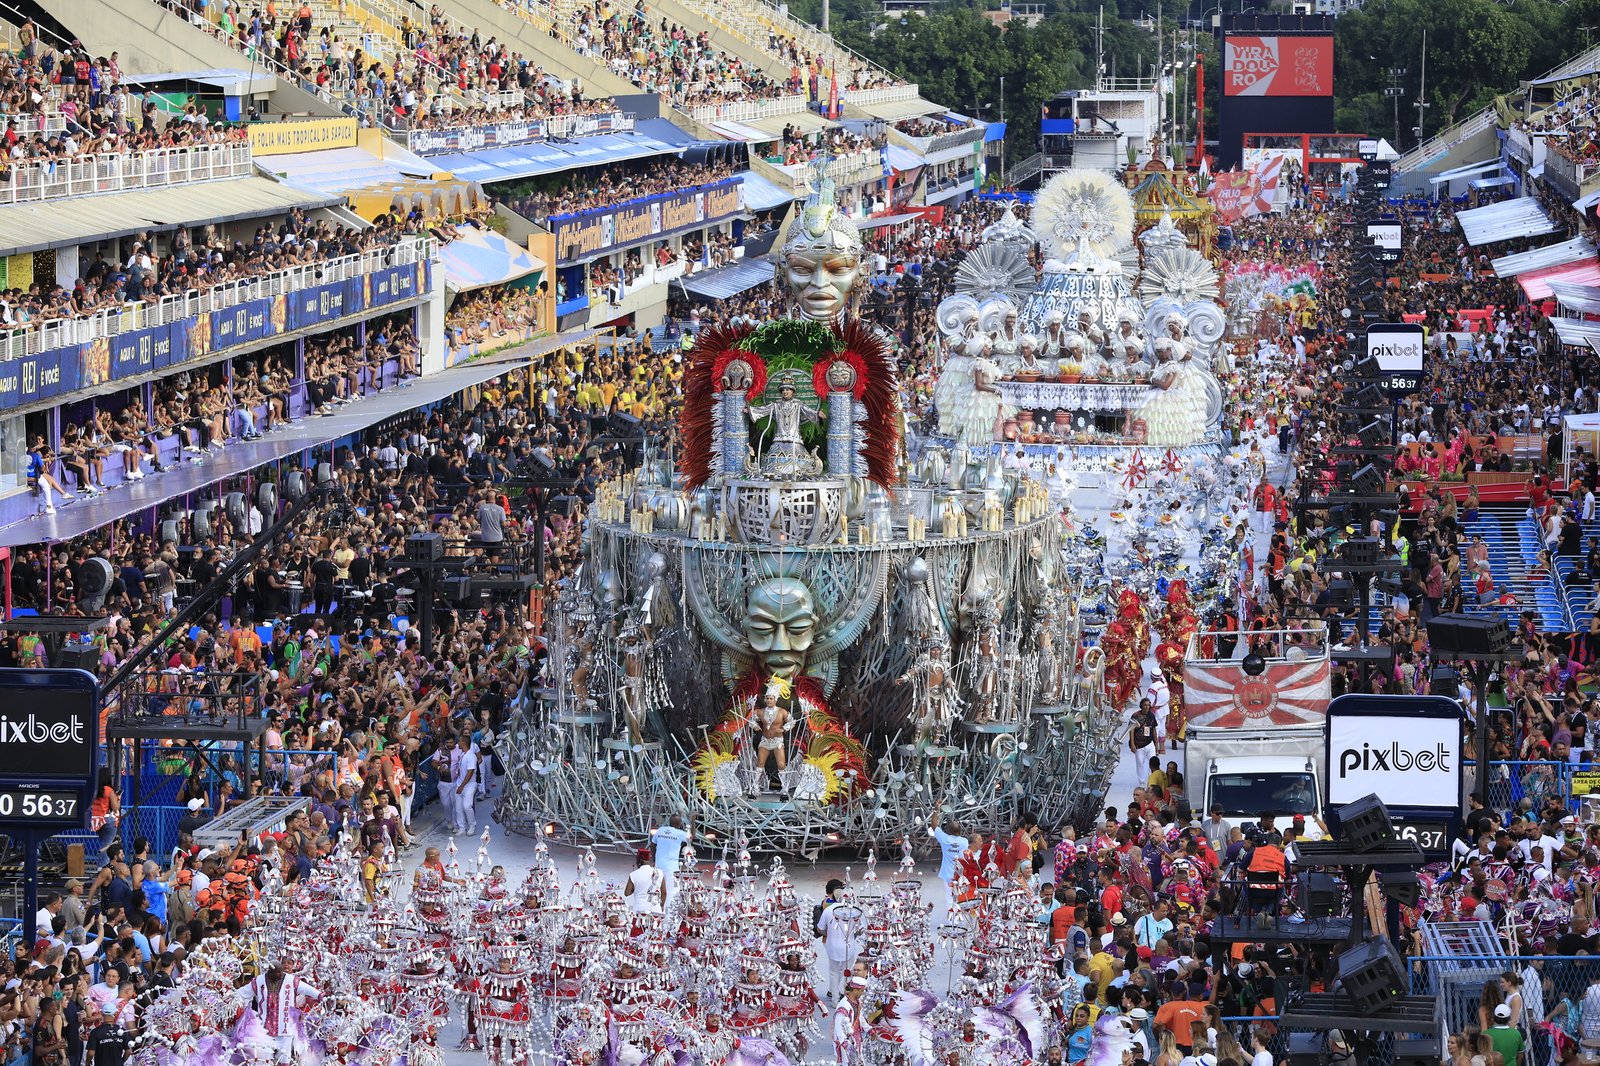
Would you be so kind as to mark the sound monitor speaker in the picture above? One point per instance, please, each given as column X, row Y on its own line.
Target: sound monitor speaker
column 78, row 657
column 1318, row 894
column 1360, row 551
column 1368, row 481
column 1372, row 975
column 1365, row 823
column 1414, row 1050
column 1402, row 886
column 456, row 588
column 1469, row 634
column 1444, row 681
column 1304, row 1049
column 424, row 548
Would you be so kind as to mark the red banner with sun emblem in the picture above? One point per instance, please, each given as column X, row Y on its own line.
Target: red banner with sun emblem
column 1221, row 695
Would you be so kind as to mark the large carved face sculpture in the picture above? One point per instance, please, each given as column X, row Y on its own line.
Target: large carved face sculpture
column 780, row 622
column 820, row 279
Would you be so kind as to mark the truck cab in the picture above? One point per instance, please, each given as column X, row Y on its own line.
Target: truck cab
column 1248, row 786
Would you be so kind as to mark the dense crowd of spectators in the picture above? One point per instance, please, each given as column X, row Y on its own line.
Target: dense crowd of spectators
column 659, row 56
column 598, row 187
column 194, row 261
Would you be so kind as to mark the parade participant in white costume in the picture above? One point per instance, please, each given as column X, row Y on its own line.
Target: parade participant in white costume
column 1175, row 413
column 1054, row 337
column 279, row 999
column 1028, row 360
column 977, row 409
column 1008, row 337
column 849, row 1027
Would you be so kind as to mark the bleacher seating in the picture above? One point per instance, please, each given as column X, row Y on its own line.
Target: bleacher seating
column 1514, row 544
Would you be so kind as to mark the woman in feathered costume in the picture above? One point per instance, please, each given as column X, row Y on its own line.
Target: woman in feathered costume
column 976, row 409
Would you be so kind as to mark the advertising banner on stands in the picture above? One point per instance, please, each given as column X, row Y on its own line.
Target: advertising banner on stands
column 588, row 233
column 252, row 320
column 325, row 303
column 392, row 284
column 62, row 371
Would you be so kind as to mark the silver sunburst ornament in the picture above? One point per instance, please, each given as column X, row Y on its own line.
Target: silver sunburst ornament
column 991, row 270
column 1182, row 274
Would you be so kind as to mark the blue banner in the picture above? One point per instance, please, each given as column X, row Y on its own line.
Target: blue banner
column 324, row 303
column 10, row 382
column 587, row 233
column 48, row 374
column 252, row 320
column 392, row 284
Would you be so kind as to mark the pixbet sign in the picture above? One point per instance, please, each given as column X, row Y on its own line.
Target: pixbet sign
column 1406, row 750
column 49, row 725
column 1399, row 348
column 31, row 730
column 1393, row 757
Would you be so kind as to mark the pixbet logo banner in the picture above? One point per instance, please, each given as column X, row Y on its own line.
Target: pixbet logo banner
column 31, row 730
column 1406, row 750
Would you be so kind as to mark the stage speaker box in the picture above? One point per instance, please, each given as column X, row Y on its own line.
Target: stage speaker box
column 456, row 588
column 424, row 548
column 78, row 657
column 1317, row 894
column 1467, row 635
column 1361, row 551
column 1444, row 681
column 1372, row 975
column 1402, row 886
column 1414, row 1050
column 1365, row 823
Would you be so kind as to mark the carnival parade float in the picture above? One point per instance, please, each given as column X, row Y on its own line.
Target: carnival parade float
column 797, row 638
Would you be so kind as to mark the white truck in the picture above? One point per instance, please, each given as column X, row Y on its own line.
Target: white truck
column 1255, row 741
column 1251, row 772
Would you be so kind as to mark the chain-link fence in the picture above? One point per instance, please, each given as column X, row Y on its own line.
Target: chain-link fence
column 1529, row 785
column 1554, row 999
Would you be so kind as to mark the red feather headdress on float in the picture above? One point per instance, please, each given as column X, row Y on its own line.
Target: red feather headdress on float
column 854, row 342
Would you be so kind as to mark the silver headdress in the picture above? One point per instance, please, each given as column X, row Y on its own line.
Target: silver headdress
column 821, row 225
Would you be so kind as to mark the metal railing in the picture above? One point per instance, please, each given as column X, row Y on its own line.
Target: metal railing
column 1552, row 989
column 886, row 94
column 63, row 332
column 53, row 179
column 746, row 110
column 45, row 122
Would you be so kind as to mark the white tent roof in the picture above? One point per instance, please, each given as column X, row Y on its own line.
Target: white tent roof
column 1589, row 422
column 1522, row 217
column 1551, row 255
column 1471, row 170
column 1576, row 331
column 1584, row 299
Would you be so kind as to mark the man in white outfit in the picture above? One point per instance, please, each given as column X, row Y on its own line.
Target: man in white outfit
column 646, row 890
column 463, row 786
column 669, row 841
column 952, row 845
column 841, row 938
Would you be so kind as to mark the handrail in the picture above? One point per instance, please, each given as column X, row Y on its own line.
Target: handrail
column 745, row 110
column 882, row 94
column 63, row 332
column 31, row 181
column 467, row 136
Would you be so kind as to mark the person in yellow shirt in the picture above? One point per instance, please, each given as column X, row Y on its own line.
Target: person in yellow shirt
column 608, row 393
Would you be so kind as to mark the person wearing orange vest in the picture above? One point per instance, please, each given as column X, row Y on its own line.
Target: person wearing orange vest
column 1264, row 879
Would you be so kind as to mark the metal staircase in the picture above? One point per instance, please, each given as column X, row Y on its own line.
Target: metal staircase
column 1471, row 126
